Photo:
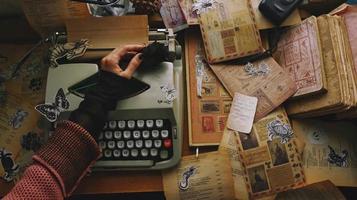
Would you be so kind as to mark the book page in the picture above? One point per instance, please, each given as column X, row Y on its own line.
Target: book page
column 265, row 80
column 270, row 156
column 299, row 53
column 207, row 177
column 330, row 152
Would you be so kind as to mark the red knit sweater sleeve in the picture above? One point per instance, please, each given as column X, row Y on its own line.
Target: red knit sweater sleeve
column 59, row 165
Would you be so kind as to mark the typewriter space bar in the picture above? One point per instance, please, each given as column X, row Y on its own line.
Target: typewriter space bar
column 124, row 163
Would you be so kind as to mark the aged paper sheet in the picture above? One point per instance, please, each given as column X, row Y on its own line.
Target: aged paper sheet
column 229, row 31
column 242, row 113
column 207, row 114
column 229, row 144
column 186, row 7
column 270, row 156
column 48, row 16
column 299, row 52
column 330, row 152
column 324, row 190
column 207, row 177
column 17, row 118
column 271, row 89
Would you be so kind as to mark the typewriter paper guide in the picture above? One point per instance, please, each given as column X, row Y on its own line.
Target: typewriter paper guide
column 229, row 31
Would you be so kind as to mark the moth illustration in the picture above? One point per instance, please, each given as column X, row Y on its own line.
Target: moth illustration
column 184, row 183
column 169, row 94
column 68, row 51
column 10, row 168
column 339, row 160
column 16, row 120
column 278, row 129
column 52, row 111
column 202, row 6
column 262, row 69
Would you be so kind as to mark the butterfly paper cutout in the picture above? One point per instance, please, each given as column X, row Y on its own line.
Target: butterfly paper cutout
column 52, row 111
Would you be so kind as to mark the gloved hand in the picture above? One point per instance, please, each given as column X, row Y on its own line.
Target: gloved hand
column 114, row 83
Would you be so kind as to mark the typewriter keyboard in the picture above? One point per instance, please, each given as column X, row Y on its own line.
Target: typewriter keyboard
column 149, row 139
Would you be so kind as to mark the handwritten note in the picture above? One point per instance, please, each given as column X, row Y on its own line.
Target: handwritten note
column 242, row 113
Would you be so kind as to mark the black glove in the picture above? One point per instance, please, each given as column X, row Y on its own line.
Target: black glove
column 93, row 110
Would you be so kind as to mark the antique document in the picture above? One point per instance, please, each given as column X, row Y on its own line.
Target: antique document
column 330, row 152
column 324, row 190
column 272, row 87
column 208, row 176
column 299, row 52
column 270, row 156
column 229, row 31
column 229, row 145
column 242, row 113
column 48, row 16
column 208, row 112
column 190, row 16
column 17, row 118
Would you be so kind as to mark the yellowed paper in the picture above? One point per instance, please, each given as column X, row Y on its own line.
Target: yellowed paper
column 17, row 118
column 229, row 31
column 271, row 89
column 242, row 113
column 207, row 177
column 48, row 16
column 229, row 144
column 270, row 156
column 330, row 152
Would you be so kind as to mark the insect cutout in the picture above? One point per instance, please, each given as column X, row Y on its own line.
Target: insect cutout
column 202, row 6
column 169, row 94
column 10, row 168
column 184, row 183
column 278, row 129
column 17, row 119
column 68, row 51
column 52, row 111
column 339, row 160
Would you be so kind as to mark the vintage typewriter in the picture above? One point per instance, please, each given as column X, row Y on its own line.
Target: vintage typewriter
column 145, row 131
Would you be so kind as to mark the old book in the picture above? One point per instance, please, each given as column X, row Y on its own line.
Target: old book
column 264, row 79
column 172, row 15
column 334, row 97
column 330, row 152
column 340, row 74
column 324, row 190
column 208, row 102
column 270, row 156
column 229, row 31
column 299, row 52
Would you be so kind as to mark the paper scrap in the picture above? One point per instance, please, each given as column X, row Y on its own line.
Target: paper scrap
column 207, row 177
column 242, row 113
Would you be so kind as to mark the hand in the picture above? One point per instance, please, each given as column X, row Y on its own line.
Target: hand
column 110, row 62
